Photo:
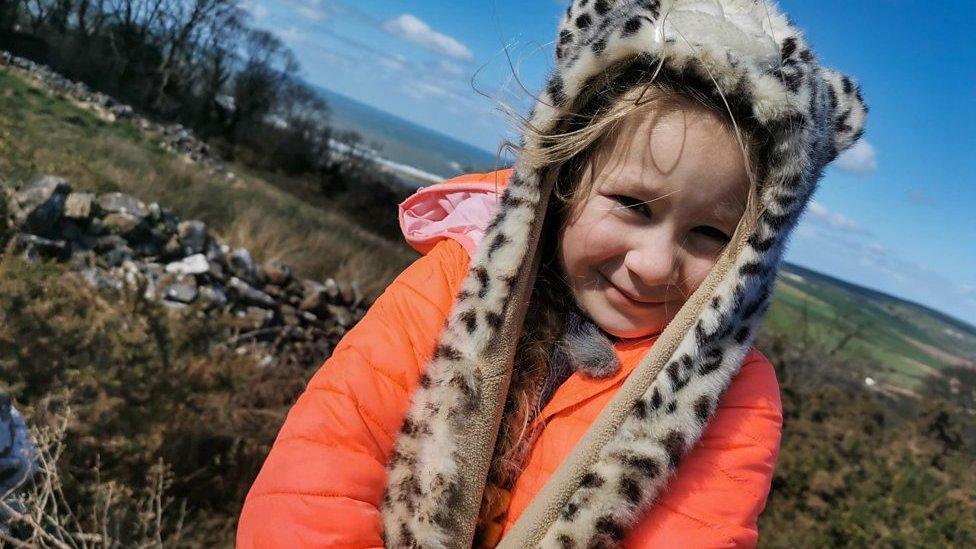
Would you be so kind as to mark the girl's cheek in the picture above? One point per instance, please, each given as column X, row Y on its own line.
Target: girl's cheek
column 698, row 273
column 606, row 237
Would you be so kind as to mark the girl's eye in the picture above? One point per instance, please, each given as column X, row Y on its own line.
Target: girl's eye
column 714, row 233
column 631, row 203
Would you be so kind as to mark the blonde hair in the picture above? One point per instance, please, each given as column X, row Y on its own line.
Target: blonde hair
column 565, row 157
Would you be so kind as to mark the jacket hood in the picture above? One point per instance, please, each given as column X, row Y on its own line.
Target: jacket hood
column 747, row 55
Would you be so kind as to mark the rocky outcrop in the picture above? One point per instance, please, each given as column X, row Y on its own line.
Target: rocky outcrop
column 171, row 137
column 115, row 240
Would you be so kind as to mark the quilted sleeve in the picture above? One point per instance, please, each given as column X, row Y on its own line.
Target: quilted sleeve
column 322, row 483
column 721, row 486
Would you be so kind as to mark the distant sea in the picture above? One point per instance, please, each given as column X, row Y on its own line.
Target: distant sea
column 404, row 142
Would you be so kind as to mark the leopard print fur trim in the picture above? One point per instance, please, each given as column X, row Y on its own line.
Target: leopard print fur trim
column 764, row 69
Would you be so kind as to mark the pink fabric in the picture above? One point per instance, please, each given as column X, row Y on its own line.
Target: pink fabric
column 460, row 211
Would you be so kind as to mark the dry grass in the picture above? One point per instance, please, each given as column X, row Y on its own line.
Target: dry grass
column 145, row 386
column 118, row 516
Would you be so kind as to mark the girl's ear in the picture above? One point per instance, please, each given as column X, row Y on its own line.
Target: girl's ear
column 849, row 111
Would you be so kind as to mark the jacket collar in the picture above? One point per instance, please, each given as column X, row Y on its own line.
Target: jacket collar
column 580, row 387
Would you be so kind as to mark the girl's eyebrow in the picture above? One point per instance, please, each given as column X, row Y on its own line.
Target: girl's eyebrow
column 639, row 188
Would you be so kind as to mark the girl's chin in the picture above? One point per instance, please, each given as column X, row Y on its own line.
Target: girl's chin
column 625, row 327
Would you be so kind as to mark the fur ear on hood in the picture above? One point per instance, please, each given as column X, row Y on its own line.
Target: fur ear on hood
column 748, row 56
column 850, row 111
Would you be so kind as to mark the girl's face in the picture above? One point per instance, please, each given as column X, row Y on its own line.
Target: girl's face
column 666, row 197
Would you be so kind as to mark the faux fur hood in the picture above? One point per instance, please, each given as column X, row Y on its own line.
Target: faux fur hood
column 747, row 55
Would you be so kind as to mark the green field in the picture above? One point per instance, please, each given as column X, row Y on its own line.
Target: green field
column 904, row 342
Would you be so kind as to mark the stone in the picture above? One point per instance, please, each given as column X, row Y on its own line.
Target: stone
column 331, row 288
column 96, row 227
column 242, row 265
column 183, row 291
column 124, row 224
column 276, row 292
column 155, row 212
column 213, row 296
column 39, row 207
column 168, row 221
column 173, row 247
column 100, row 279
column 70, row 230
column 191, row 265
column 122, row 203
column 193, row 236
column 116, row 256
column 215, row 252
column 277, row 272
column 35, row 247
column 148, row 249
column 250, row 295
column 78, row 206
column 314, row 297
column 109, row 242
column 159, row 236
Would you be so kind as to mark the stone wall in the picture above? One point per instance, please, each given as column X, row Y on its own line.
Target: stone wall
column 115, row 240
column 171, row 137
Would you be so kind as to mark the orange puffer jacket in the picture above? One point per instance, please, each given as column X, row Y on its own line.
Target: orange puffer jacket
column 322, row 484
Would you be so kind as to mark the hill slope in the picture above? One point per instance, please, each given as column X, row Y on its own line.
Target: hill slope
column 271, row 215
column 905, row 341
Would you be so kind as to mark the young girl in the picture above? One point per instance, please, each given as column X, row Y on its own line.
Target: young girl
column 570, row 363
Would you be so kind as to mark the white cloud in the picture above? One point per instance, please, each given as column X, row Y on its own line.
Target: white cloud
column 413, row 29
column 859, row 159
column 821, row 215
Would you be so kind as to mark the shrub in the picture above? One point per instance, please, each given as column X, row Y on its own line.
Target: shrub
column 147, row 388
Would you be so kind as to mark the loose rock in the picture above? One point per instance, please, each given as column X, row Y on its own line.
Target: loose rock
column 122, row 203
column 194, row 264
column 193, row 236
column 79, row 205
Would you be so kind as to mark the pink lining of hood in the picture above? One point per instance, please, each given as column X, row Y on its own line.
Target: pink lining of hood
column 460, row 211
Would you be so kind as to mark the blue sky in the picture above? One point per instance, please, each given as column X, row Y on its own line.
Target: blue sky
column 895, row 213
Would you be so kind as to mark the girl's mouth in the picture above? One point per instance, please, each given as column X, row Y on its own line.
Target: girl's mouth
column 616, row 294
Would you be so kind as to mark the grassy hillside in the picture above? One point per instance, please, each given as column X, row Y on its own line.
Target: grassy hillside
column 271, row 215
column 901, row 343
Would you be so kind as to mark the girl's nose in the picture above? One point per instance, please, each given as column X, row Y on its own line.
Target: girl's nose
column 654, row 263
